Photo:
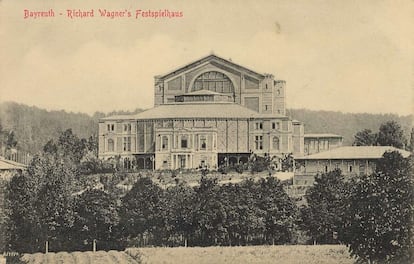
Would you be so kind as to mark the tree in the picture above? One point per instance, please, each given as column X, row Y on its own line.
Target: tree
column 391, row 134
column 141, row 213
column 365, row 138
column 21, row 234
column 54, row 200
column 323, row 216
column 250, row 225
column 96, row 219
column 209, row 213
column 71, row 146
column 279, row 211
column 379, row 214
column 11, row 141
column 178, row 204
column 287, row 162
column 50, row 147
column 411, row 145
column 40, row 205
column 258, row 163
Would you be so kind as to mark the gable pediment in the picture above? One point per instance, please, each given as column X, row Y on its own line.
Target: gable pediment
column 215, row 61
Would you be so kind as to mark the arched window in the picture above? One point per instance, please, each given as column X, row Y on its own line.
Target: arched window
column 276, row 143
column 111, row 145
column 213, row 81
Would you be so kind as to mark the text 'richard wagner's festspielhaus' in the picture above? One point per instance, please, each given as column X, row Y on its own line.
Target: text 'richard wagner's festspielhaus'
column 103, row 13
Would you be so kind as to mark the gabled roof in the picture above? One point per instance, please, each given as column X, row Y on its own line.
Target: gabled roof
column 322, row 135
column 209, row 58
column 194, row 110
column 354, row 152
column 10, row 165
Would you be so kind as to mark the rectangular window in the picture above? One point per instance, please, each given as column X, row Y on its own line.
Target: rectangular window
column 127, row 144
column 164, row 145
column 258, row 125
column 184, row 142
column 259, row 142
column 203, row 143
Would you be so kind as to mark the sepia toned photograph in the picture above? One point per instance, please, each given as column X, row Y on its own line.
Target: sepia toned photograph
column 222, row 132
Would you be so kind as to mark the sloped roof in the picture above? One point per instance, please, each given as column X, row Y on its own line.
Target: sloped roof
column 354, row 152
column 192, row 110
column 322, row 135
column 210, row 57
column 10, row 165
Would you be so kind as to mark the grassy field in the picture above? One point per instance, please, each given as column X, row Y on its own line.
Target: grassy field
column 99, row 257
column 326, row 254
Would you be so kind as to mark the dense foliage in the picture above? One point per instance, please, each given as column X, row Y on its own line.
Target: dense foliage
column 390, row 133
column 379, row 215
column 209, row 214
column 372, row 214
column 50, row 203
column 323, row 216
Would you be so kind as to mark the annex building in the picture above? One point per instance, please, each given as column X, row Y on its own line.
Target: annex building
column 207, row 113
column 351, row 160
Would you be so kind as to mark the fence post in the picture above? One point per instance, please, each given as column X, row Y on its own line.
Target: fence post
column 94, row 245
column 47, row 247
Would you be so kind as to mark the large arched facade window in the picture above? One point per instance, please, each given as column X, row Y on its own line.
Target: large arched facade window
column 111, row 146
column 276, row 143
column 213, row 81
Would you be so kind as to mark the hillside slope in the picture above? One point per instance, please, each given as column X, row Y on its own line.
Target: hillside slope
column 34, row 126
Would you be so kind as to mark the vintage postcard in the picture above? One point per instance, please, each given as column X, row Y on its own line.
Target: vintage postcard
column 138, row 131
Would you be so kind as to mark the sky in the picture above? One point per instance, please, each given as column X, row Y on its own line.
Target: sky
column 343, row 55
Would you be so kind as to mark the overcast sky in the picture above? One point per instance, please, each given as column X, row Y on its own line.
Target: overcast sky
column 350, row 56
